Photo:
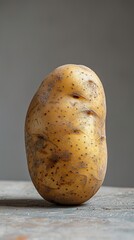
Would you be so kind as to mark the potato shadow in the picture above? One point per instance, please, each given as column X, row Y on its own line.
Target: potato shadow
column 32, row 203
column 26, row 203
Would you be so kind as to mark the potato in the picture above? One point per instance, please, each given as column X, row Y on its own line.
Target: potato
column 65, row 135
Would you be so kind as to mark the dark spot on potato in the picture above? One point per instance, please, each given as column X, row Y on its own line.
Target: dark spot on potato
column 38, row 162
column 90, row 112
column 61, row 156
column 75, row 95
column 54, row 158
column 46, row 93
column 94, row 88
column 40, row 143
column 73, row 104
column 82, row 165
column 92, row 83
column 48, row 189
column 102, row 137
column 77, row 131
column 65, row 156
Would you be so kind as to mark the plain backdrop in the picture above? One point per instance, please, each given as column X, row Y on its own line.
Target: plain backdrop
column 38, row 35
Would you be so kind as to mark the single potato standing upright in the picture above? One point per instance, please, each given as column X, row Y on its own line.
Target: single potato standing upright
column 65, row 135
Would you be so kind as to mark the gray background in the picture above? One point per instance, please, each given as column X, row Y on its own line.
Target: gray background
column 37, row 36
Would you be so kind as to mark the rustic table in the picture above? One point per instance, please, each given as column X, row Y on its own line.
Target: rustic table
column 24, row 215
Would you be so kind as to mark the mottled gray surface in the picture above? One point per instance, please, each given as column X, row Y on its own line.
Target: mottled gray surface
column 25, row 216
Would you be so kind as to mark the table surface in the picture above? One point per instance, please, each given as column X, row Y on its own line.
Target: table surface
column 25, row 215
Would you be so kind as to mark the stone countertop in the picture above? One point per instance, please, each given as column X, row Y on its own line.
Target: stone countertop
column 24, row 215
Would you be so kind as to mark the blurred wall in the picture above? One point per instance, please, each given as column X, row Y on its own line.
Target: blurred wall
column 37, row 36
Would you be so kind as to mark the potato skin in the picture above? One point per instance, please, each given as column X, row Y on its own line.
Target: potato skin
column 65, row 135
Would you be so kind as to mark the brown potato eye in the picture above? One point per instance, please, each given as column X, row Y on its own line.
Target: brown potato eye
column 75, row 95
